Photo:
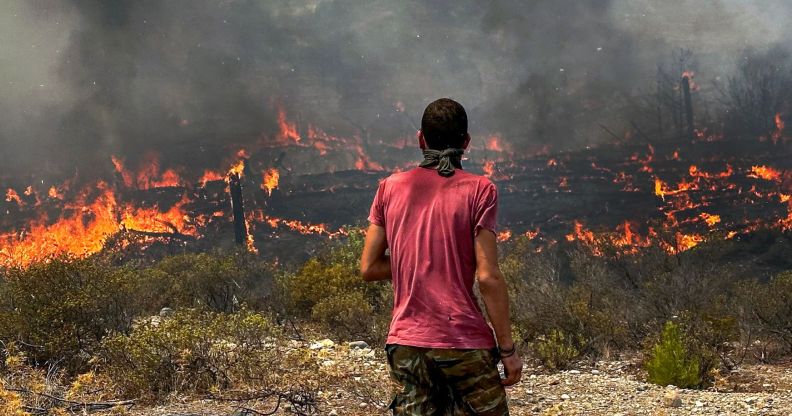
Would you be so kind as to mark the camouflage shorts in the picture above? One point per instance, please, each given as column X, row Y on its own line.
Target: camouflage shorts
column 443, row 382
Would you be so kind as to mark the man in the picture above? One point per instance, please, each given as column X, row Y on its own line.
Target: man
column 439, row 223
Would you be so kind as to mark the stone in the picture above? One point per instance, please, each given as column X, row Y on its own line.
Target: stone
column 699, row 403
column 672, row 398
column 595, row 372
column 333, row 413
column 323, row 344
column 166, row 312
column 574, row 372
column 565, row 396
column 358, row 345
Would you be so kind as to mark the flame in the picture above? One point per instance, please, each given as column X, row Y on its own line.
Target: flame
column 687, row 241
column 766, row 173
column 54, row 193
column 148, row 176
column 238, row 169
column 489, row 168
column 86, row 224
column 504, row 235
column 695, row 172
column 288, row 130
column 295, row 225
column 209, row 176
column 12, row 195
column 270, row 180
column 494, row 144
column 710, row 219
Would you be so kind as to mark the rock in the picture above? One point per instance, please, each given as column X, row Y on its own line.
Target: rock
column 359, row 345
column 166, row 312
column 323, row 344
column 333, row 413
column 328, row 363
column 574, row 372
column 564, row 396
column 672, row 399
column 699, row 403
column 595, row 372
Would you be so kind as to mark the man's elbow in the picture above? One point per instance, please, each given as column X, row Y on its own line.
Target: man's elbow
column 367, row 273
column 490, row 280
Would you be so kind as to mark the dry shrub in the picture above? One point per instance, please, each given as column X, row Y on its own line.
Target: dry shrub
column 190, row 351
column 60, row 310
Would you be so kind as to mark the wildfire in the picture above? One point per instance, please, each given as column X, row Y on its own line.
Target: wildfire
column 710, row 219
column 54, row 193
column 288, row 130
column 766, row 173
column 488, row 168
column 504, row 235
column 270, row 179
column 695, row 172
column 148, row 176
column 85, row 226
column 494, row 144
column 12, row 195
column 209, row 176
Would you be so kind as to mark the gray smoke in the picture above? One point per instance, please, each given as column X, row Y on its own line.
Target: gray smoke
column 189, row 79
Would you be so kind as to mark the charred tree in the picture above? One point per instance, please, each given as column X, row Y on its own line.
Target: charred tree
column 238, row 208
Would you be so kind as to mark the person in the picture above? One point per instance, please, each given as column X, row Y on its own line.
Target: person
column 438, row 223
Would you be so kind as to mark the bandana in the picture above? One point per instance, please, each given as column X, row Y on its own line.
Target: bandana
column 446, row 160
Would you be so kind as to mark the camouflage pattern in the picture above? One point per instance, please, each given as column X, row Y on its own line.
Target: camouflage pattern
column 445, row 382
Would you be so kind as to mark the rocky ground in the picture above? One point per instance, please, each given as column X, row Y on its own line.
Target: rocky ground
column 354, row 381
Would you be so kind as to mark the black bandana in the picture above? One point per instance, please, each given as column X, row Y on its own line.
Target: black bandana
column 446, row 160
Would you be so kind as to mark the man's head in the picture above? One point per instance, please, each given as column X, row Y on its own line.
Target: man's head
column 444, row 125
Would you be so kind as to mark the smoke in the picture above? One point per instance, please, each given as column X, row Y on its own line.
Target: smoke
column 191, row 80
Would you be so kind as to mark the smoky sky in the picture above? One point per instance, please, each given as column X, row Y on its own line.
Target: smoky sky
column 191, row 79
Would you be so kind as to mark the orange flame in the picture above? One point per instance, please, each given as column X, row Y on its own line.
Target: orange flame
column 12, row 195
column 766, row 173
column 270, row 180
column 488, row 168
column 288, row 130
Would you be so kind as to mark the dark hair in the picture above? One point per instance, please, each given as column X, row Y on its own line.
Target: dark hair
column 444, row 124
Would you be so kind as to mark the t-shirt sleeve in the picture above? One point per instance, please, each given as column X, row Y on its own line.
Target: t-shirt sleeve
column 486, row 209
column 377, row 211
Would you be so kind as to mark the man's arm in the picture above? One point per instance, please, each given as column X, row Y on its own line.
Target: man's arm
column 374, row 264
column 496, row 299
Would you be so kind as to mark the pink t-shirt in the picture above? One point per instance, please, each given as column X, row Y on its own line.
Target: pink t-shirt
column 430, row 222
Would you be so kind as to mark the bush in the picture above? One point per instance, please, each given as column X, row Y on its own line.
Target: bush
column 220, row 281
column 768, row 309
column 59, row 311
column 191, row 351
column 672, row 361
column 329, row 290
column 555, row 350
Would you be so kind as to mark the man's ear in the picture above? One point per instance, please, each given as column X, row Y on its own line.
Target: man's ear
column 421, row 140
column 467, row 141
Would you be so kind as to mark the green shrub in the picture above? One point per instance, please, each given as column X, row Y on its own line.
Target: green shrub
column 671, row 361
column 328, row 289
column 555, row 350
column 190, row 351
column 60, row 310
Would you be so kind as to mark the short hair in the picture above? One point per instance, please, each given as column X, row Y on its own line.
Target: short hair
column 444, row 124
